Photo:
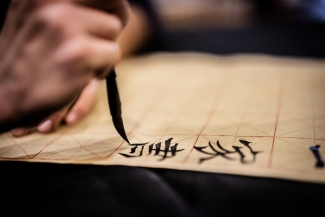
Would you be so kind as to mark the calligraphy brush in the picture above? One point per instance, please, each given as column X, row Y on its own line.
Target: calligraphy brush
column 115, row 104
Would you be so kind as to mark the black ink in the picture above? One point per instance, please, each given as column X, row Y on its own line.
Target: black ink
column 157, row 148
column 254, row 153
column 216, row 152
column 172, row 150
column 315, row 150
column 224, row 153
column 133, row 150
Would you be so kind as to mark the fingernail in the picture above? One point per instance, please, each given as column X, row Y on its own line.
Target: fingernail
column 45, row 127
column 19, row 131
column 71, row 118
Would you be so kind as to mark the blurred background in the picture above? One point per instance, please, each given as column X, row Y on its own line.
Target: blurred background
column 280, row 27
column 237, row 13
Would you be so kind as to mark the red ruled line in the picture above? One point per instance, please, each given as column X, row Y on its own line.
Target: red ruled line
column 224, row 85
column 283, row 78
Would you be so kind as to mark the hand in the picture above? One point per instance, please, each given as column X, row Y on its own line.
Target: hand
column 50, row 52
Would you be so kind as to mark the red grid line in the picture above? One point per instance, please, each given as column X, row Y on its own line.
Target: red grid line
column 224, row 85
column 283, row 78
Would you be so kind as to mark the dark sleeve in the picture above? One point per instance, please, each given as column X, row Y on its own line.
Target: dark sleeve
column 3, row 11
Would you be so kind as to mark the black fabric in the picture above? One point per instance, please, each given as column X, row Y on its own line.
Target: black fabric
column 76, row 190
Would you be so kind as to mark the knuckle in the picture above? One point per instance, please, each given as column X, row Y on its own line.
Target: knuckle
column 53, row 15
column 73, row 53
column 113, row 27
column 57, row 11
column 71, row 60
column 117, row 24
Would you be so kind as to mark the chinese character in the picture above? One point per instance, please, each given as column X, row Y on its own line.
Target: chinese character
column 225, row 153
column 315, row 150
column 167, row 152
column 133, row 150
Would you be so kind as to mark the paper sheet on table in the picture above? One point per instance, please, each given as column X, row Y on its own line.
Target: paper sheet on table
column 248, row 115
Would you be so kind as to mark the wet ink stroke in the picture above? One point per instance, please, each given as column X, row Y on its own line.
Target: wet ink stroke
column 319, row 160
column 227, row 154
column 168, row 152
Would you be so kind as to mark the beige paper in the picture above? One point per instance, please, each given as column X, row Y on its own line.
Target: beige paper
column 248, row 115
